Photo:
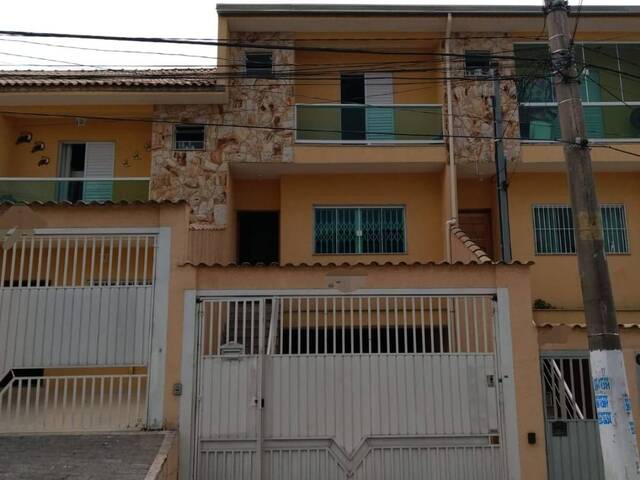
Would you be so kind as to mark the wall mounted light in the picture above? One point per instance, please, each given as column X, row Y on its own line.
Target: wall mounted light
column 38, row 147
column 24, row 137
column 43, row 161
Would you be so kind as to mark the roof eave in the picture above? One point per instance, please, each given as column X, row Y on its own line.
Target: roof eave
column 225, row 10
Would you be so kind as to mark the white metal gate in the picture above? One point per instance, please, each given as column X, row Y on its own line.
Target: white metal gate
column 76, row 301
column 348, row 386
column 571, row 425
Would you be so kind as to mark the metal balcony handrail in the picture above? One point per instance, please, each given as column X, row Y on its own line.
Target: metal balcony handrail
column 73, row 179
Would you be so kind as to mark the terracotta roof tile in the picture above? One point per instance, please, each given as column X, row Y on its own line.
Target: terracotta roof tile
column 111, row 203
column 156, row 79
column 346, row 264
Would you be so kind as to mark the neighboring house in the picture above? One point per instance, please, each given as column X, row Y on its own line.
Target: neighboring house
column 293, row 259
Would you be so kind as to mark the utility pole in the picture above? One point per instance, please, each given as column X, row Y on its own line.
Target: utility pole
column 502, row 182
column 615, row 419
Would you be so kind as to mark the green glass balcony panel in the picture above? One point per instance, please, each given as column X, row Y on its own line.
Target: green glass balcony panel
column 35, row 190
column 318, row 122
column 394, row 123
column 418, row 123
column 602, row 82
column 609, row 122
column 630, row 66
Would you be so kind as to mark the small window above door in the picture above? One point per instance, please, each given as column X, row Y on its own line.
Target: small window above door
column 259, row 64
column 189, row 137
column 477, row 63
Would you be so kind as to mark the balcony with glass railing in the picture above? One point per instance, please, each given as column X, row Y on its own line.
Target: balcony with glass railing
column 369, row 124
column 73, row 189
column 603, row 122
column 609, row 91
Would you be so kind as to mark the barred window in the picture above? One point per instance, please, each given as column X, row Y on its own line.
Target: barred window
column 554, row 232
column 359, row 230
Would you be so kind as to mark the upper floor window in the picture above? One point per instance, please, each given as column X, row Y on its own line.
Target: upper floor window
column 359, row 230
column 189, row 137
column 259, row 64
column 554, row 232
column 477, row 63
column 609, row 89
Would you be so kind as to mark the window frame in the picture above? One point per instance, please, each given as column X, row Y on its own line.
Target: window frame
column 175, row 138
column 402, row 207
column 632, row 103
column 620, row 205
column 477, row 54
column 258, row 75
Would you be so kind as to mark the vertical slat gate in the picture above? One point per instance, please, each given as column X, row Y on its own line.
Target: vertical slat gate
column 74, row 300
column 387, row 382
column 573, row 442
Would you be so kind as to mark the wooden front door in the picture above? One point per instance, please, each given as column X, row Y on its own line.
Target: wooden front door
column 477, row 225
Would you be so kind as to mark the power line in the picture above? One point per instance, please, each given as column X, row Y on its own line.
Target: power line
column 234, row 125
column 575, row 28
column 611, row 147
column 235, row 43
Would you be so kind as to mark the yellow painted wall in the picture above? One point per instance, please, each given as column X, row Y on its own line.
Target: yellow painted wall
column 435, row 154
column 409, row 86
column 130, row 138
column 419, row 193
column 554, row 278
column 257, row 194
column 6, row 140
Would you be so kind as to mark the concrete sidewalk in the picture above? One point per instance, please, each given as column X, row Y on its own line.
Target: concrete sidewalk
column 97, row 456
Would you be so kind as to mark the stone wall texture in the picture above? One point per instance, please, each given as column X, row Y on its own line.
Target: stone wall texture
column 472, row 104
column 202, row 177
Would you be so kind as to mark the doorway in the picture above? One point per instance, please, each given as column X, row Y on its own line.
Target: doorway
column 478, row 227
column 258, row 237
column 86, row 161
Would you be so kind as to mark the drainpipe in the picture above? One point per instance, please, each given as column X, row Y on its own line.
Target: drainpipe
column 453, row 186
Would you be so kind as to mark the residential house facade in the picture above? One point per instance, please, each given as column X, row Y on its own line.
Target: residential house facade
column 295, row 259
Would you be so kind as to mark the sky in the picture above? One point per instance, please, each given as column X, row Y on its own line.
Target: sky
column 143, row 18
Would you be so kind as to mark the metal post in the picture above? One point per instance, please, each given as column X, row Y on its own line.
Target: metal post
column 616, row 426
column 501, row 169
column 262, row 313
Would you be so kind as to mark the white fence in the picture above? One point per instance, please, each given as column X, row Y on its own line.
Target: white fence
column 81, row 299
column 76, row 300
column 322, row 325
column 366, row 373
column 319, row 460
column 73, row 403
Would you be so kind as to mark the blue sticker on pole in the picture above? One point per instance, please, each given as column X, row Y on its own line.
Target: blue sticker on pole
column 601, row 384
column 602, row 402
column 604, row 418
column 632, row 428
column 627, row 403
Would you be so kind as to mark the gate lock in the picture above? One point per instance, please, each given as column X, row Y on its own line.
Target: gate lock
column 491, row 381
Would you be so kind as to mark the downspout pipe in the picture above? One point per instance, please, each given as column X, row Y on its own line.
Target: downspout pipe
column 453, row 183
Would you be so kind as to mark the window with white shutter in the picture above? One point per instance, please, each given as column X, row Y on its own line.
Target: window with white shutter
column 99, row 161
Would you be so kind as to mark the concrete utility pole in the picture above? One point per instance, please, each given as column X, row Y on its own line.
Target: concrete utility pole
column 501, row 168
column 616, row 425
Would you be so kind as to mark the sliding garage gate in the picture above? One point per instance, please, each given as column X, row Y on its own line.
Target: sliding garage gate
column 76, row 313
column 337, row 387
